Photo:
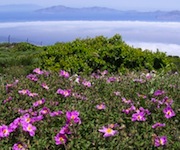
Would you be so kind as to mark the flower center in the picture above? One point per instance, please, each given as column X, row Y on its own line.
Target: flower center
column 161, row 142
column 20, row 146
column 5, row 131
column 61, row 139
column 169, row 112
column 109, row 130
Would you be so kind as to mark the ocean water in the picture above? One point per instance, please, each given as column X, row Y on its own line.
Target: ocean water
column 164, row 36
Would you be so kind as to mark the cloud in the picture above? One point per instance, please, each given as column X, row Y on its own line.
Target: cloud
column 169, row 49
column 151, row 35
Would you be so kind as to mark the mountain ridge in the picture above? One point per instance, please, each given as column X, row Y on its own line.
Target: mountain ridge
column 61, row 12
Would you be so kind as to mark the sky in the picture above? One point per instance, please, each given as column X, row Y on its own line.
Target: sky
column 141, row 5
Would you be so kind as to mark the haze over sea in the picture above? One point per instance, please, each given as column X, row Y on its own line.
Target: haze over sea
column 146, row 35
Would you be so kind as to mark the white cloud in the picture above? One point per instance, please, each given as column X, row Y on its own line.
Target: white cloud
column 147, row 35
column 170, row 49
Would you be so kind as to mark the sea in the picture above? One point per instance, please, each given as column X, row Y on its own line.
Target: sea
column 162, row 36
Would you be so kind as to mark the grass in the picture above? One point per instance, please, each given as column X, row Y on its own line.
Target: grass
column 77, row 110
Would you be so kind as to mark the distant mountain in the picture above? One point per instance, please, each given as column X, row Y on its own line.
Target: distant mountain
column 103, row 13
column 172, row 15
column 60, row 9
column 57, row 13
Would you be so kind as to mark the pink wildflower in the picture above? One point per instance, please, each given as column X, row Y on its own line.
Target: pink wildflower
column 160, row 141
column 107, row 131
column 4, row 131
column 156, row 125
column 73, row 116
column 32, row 94
column 129, row 110
column 126, row 101
column 14, row 125
column 65, row 93
column 8, row 99
column 38, row 71
column 32, row 77
column 158, row 92
column 168, row 112
column 117, row 93
column 86, row 83
column 64, row 74
column 24, row 92
column 39, row 102
column 19, row 146
column 56, row 113
column 65, row 130
column 44, row 85
column 29, row 128
column 140, row 116
column 60, row 139
column 101, row 106
column 37, row 118
column 111, row 79
column 44, row 111
column 26, row 118
column 168, row 101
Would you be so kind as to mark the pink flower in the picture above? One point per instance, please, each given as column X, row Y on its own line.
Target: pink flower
column 65, row 130
column 158, row 93
column 38, row 71
column 117, row 93
column 25, row 119
column 56, row 113
column 19, row 146
column 86, row 83
column 126, row 101
column 139, row 80
column 129, row 110
column 168, row 101
column 32, row 94
column 73, row 116
column 37, row 118
column 140, row 116
column 104, row 72
column 29, row 128
column 60, row 139
column 44, row 85
column 64, row 74
column 156, row 125
column 32, row 77
column 142, row 96
column 4, row 131
column 15, row 124
column 65, row 93
column 44, row 111
column 149, row 76
column 24, row 92
column 107, row 131
column 101, row 106
column 168, row 112
column 111, row 79
column 79, row 96
column 160, row 141
column 39, row 102
column 8, row 99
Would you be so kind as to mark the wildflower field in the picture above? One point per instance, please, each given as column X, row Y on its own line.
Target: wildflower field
column 102, row 111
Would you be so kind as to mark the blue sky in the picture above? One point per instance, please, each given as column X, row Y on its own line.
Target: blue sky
column 141, row 5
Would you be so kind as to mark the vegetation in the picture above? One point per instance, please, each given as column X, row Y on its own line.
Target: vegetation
column 83, row 55
column 94, row 93
column 103, row 111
